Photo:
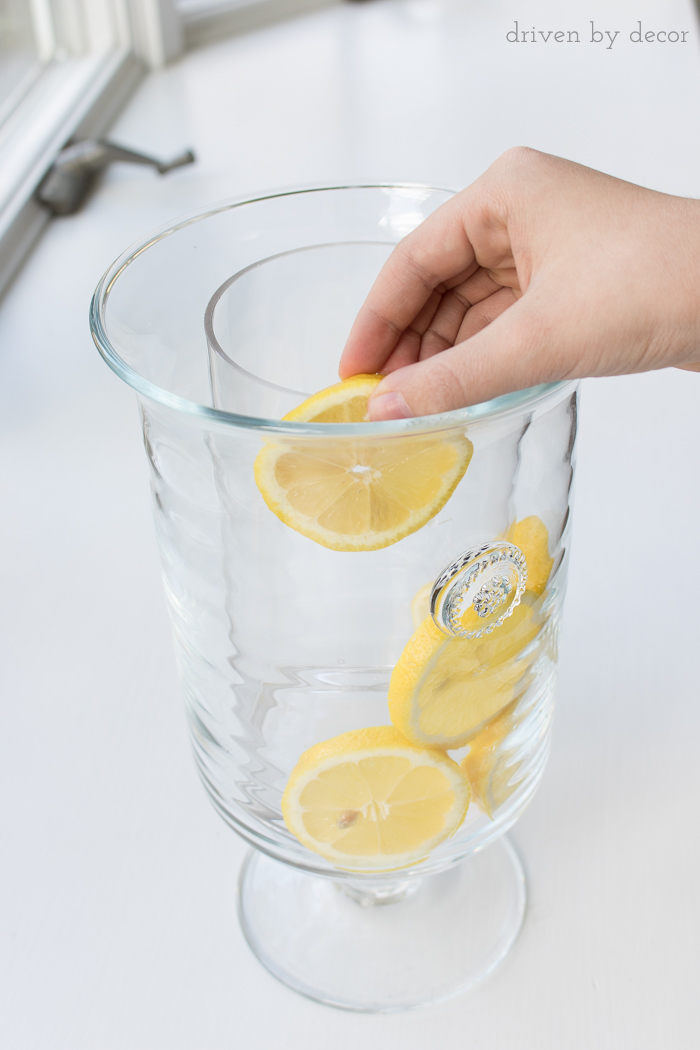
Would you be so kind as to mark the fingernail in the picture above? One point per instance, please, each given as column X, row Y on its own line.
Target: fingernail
column 388, row 406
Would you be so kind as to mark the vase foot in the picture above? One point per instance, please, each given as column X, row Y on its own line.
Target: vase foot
column 404, row 945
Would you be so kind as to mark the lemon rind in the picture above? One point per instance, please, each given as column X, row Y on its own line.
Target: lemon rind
column 327, row 398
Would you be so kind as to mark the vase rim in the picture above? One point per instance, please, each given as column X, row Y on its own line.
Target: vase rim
column 506, row 405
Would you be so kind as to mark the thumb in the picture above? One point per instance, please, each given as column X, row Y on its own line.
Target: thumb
column 511, row 353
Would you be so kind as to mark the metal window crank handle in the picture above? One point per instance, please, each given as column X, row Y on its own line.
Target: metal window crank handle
column 69, row 179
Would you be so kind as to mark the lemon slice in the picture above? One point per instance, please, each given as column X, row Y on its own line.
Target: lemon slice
column 531, row 536
column 444, row 689
column 492, row 778
column 514, row 634
column 420, row 604
column 357, row 494
column 503, row 643
column 369, row 800
column 344, row 402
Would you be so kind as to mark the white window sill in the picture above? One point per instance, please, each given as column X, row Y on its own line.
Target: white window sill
column 209, row 21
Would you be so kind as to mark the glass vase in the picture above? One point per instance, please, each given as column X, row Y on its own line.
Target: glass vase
column 222, row 323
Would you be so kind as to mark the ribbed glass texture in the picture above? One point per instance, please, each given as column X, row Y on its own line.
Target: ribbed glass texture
column 223, row 323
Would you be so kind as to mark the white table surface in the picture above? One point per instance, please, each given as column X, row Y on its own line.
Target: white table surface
column 117, row 925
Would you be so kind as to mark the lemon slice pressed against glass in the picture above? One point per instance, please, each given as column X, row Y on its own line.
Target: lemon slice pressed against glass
column 531, row 536
column 357, row 494
column 444, row 689
column 492, row 778
column 369, row 800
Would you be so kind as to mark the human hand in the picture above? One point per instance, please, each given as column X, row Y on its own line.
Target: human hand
column 541, row 270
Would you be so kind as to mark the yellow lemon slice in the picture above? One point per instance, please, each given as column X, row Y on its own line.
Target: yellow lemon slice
column 492, row 778
column 369, row 800
column 505, row 641
column 531, row 536
column 357, row 494
column 420, row 604
column 514, row 634
column 444, row 689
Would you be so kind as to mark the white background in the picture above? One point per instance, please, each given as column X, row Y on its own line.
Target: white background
column 117, row 924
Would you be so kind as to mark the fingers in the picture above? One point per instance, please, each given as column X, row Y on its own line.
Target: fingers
column 438, row 332
column 438, row 251
column 451, row 317
column 540, row 271
column 461, row 311
column 408, row 346
column 509, row 353
column 484, row 313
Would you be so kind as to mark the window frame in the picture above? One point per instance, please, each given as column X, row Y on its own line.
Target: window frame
column 94, row 54
column 86, row 99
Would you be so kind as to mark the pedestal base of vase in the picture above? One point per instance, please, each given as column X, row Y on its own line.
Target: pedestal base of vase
column 383, row 947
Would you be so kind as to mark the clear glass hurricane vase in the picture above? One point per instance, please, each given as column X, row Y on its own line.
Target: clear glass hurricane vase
column 223, row 323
